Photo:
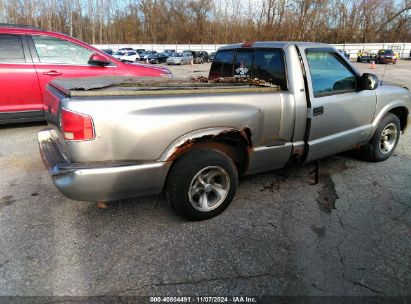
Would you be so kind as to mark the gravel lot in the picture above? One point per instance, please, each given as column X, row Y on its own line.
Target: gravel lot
column 282, row 235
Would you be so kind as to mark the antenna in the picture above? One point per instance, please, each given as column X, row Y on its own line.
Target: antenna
column 383, row 74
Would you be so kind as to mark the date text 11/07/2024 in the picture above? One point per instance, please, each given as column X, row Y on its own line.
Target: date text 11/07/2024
column 203, row 299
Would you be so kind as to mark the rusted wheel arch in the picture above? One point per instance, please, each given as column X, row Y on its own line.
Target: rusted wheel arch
column 234, row 144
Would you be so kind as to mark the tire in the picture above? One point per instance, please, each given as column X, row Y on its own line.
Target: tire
column 385, row 139
column 201, row 171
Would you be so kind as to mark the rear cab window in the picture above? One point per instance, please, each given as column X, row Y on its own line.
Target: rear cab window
column 262, row 63
column 222, row 65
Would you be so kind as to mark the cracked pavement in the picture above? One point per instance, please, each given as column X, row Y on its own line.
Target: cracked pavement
column 281, row 235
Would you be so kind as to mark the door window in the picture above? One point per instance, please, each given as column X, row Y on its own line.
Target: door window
column 11, row 49
column 329, row 75
column 58, row 51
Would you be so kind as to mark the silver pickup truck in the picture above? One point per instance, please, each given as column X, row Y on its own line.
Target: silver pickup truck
column 109, row 140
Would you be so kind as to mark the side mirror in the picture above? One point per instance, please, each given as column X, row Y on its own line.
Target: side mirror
column 97, row 59
column 369, row 81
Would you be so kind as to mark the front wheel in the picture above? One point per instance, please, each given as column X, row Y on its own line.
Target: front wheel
column 385, row 139
column 201, row 184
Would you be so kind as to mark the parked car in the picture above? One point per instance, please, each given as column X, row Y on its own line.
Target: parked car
column 207, row 135
column 108, row 51
column 127, row 56
column 386, row 56
column 157, row 58
column 366, row 56
column 192, row 53
column 140, row 51
column 168, row 53
column 201, row 57
column 180, row 58
column 144, row 56
column 30, row 58
column 345, row 54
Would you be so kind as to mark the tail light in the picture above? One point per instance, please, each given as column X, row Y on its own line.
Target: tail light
column 76, row 126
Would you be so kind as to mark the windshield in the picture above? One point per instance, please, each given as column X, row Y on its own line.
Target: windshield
column 178, row 55
column 120, row 53
column 388, row 52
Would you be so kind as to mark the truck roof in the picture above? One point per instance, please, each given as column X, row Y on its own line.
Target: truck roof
column 273, row 44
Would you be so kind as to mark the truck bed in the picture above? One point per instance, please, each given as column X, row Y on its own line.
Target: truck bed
column 143, row 86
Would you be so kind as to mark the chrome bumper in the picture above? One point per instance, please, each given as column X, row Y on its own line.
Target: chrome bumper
column 100, row 181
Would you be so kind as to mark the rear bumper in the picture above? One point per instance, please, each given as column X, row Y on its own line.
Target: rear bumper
column 100, row 181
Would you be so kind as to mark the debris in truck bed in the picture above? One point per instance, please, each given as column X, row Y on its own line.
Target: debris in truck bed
column 134, row 86
column 250, row 81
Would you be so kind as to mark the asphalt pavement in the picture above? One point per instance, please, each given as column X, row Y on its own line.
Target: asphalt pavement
column 282, row 235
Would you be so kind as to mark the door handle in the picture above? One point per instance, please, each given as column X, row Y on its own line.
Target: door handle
column 52, row 73
column 318, row 111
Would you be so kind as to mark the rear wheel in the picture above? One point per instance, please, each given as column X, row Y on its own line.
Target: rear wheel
column 201, row 184
column 385, row 139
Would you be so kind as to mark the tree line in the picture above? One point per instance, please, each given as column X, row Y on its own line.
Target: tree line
column 216, row 21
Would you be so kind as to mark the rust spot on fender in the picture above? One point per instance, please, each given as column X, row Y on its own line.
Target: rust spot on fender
column 181, row 149
column 206, row 141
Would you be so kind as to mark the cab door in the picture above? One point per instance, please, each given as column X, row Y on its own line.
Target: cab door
column 340, row 114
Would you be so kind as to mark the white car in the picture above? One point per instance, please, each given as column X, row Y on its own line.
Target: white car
column 127, row 56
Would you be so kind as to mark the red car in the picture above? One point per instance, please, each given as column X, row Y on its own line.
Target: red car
column 30, row 58
column 386, row 56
